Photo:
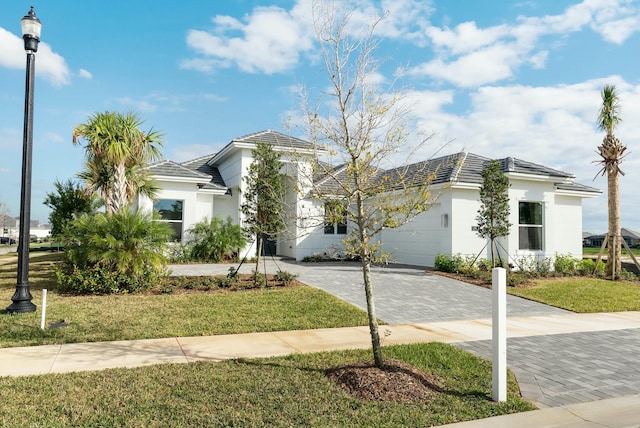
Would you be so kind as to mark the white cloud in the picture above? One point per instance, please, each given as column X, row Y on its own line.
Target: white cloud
column 49, row 64
column 270, row 40
column 85, row 74
column 466, row 37
column 551, row 125
column 487, row 65
column 138, row 105
column 51, row 137
column 469, row 56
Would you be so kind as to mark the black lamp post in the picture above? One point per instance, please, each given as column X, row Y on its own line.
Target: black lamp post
column 31, row 27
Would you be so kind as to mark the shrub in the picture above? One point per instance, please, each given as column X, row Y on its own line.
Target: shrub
column 123, row 252
column 444, row 263
column 625, row 275
column 178, row 252
column 215, row 239
column 286, row 278
column 313, row 259
column 517, row 278
column 230, row 280
column 98, row 279
column 259, row 279
column 565, row 264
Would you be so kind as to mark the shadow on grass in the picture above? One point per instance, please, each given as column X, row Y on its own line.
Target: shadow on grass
column 415, row 373
column 41, row 275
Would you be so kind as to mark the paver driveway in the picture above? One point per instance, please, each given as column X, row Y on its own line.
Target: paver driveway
column 556, row 369
column 404, row 294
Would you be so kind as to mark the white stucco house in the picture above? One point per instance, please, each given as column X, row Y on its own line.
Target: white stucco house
column 546, row 204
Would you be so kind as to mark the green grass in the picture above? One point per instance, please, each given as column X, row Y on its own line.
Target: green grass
column 283, row 391
column 582, row 294
column 595, row 250
column 144, row 316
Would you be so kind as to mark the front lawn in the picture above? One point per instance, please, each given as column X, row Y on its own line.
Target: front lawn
column 590, row 251
column 283, row 391
column 145, row 316
column 583, row 294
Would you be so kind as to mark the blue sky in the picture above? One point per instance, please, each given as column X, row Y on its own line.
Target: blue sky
column 497, row 78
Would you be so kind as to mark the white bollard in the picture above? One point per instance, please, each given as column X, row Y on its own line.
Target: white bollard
column 44, row 308
column 499, row 334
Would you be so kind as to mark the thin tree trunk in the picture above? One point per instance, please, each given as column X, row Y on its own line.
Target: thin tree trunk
column 614, row 264
column 493, row 257
column 368, row 283
column 259, row 250
column 371, row 312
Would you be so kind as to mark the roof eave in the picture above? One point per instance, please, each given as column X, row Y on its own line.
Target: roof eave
column 537, row 177
column 176, row 179
column 586, row 194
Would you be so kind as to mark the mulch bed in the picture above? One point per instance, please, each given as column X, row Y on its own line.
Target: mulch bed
column 395, row 382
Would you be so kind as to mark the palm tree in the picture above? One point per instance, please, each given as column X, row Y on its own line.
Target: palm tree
column 612, row 153
column 117, row 150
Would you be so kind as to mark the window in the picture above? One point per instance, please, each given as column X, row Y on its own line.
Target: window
column 170, row 211
column 335, row 218
column 530, row 225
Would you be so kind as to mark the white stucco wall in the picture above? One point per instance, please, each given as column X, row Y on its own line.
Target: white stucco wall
column 311, row 238
column 567, row 226
column 463, row 220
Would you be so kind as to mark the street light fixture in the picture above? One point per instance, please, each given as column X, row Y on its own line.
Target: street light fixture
column 31, row 27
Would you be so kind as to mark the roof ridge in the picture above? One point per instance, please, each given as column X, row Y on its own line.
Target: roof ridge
column 251, row 135
column 198, row 159
column 458, row 167
column 180, row 166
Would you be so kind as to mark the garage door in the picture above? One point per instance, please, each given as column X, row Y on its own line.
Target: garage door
column 417, row 242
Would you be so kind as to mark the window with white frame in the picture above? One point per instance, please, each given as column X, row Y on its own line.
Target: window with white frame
column 170, row 211
column 530, row 225
column 335, row 218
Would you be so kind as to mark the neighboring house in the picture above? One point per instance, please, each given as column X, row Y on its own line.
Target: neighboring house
column 631, row 238
column 546, row 204
column 10, row 227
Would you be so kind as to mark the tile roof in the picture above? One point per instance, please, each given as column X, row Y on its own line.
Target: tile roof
column 169, row 168
column 201, row 165
column 462, row 167
column 273, row 137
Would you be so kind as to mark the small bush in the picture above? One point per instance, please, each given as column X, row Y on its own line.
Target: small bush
column 587, row 267
column 259, row 279
column 517, row 278
column 315, row 258
column 213, row 240
column 123, row 252
column 625, row 275
column 286, row 278
column 565, row 264
column 100, row 279
column 231, row 280
column 444, row 263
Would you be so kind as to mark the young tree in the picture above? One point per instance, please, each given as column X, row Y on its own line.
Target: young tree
column 68, row 202
column 612, row 153
column 263, row 196
column 364, row 128
column 117, row 152
column 493, row 215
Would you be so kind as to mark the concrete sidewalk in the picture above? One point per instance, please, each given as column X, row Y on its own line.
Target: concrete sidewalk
column 614, row 412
